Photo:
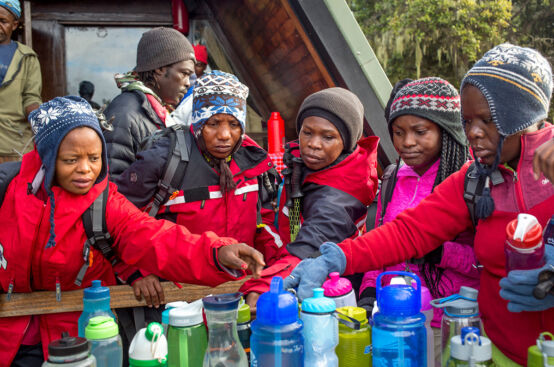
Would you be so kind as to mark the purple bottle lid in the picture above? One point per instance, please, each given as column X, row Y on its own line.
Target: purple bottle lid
column 426, row 299
column 336, row 286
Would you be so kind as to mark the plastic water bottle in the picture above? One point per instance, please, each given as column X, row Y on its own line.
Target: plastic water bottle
column 224, row 348
column 96, row 302
column 524, row 248
column 542, row 354
column 321, row 330
column 339, row 290
column 398, row 332
column 187, row 336
column 149, row 347
column 69, row 351
column 460, row 310
column 276, row 339
column 354, row 347
column 165, row 313
column 470, row 349
column 243, row 327
column 105, row 343
column 427, row 310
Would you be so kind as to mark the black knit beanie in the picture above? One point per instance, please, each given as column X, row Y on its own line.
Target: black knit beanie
column 160, row 47
column 342, row 108
column 434, row 99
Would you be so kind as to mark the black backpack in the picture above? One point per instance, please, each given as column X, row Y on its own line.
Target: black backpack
column 94, row 222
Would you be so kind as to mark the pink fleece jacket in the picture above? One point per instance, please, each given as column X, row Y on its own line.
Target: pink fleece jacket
column 458, row 260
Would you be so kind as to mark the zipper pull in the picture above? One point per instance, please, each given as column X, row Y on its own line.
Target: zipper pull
column 515, row 176
column 10, row 289
column 58, row 289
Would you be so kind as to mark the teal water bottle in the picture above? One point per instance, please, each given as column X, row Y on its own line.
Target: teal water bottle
column 398, row 333
column 96, row 302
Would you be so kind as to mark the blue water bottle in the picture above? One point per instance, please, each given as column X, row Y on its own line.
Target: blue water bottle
column 398, row 333
column 96, row 302
column 276, row 339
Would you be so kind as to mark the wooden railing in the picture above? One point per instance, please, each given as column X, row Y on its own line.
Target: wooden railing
column 121, row 296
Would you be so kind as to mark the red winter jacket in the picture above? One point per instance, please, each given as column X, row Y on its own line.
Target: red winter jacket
column 334, row 206
column 140, row 240
column 443, row 214
column 201, row 206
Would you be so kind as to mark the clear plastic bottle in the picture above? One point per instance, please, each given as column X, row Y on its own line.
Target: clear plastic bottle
column 354, row 347
column 524, row 248
column 339, row 290
column 398, row 333
column 276, row 339
column 470, row 349
column 460, row 310
column 69, row 351
column 321, row 333
column 105, row 343
column 96, row 302
column 187, row 336
column 427, row 310
column 224, row 348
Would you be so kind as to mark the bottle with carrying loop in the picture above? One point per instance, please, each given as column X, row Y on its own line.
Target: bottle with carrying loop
column 542, row 354
column 354, row 347
column 224, row 348
column 102, row 333
column 460, row 310
column 149, row 347
column 69, row 351
column 277, row 339
column 470, row 349
column 398, row 333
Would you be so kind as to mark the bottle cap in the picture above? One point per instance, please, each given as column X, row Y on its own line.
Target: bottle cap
column 399, row 299
column 68, row 346
column 222, row 302
column 336, row 286
column 544, row 345
column 101, row 327
column 472, row 346
column 356, row 313
column 188, row 315
column 244, row 313
column 149, row 347
column 426, row 299
column 463, row 304
column 153, row 331
column 96, row 291
column 169, row 306
column 524, row 232
column 277, row 307
column 318, row 303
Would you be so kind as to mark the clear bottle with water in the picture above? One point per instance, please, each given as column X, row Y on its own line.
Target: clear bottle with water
column 96, row 302
column 460, row 310
column 321, row 330
column 105, row 343
column 224, row 348
column 398, row 334
column 277, row 339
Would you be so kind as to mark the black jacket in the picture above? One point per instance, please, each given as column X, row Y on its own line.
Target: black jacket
column 134, row 119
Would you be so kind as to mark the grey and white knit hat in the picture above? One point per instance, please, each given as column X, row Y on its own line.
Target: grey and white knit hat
column 162, row 46
column 432, row 98
column 339, row 106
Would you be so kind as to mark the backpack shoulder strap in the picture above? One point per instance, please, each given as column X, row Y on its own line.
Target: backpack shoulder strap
column 94, row 223
column 473, row 189
column 8, row 171
column 386, row 190
column 174, row 169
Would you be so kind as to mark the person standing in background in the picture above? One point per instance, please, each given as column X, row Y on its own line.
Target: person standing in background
column 20, row 86
column 86, row 91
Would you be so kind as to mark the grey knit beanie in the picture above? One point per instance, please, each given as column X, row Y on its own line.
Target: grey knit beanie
column 160, row 47
column 339, row 102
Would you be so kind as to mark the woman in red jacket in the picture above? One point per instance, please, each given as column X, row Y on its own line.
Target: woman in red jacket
column 43, row 235
column 504, row 99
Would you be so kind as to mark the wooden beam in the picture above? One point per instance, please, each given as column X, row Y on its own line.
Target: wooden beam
column 121, row 296
column 27, row 27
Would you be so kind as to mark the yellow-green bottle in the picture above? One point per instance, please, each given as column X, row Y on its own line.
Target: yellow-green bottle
column 542, row 354
column 354, row 348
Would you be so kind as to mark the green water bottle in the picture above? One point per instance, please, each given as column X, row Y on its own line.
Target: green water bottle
column 354, row 347
column 542, row 354
column 187, row 336
column 470, row 349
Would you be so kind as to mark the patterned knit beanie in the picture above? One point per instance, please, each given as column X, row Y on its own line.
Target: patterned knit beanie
column 218, row 92
column 160, row 47
column 432, row 98
column 517, row 84
column 342, row 107
column 51, row 122
column 13, row 6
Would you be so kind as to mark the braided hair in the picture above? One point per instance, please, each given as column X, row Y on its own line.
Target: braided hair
column 452, row 158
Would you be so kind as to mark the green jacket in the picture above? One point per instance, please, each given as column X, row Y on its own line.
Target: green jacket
column 21, row 87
